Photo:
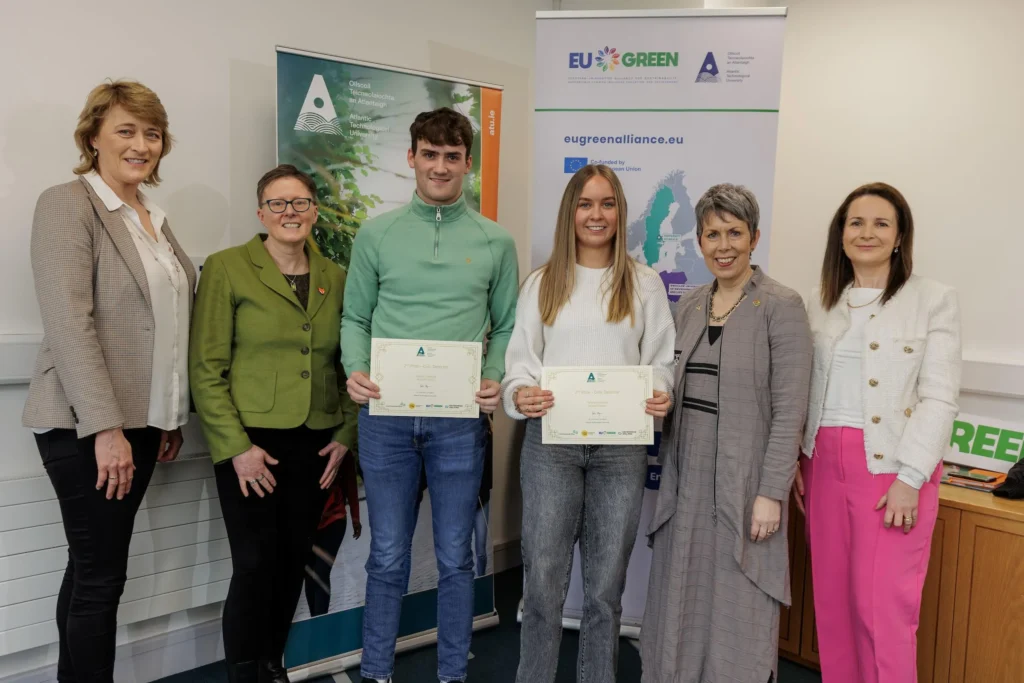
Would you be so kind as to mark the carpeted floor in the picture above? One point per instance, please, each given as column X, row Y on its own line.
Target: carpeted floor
column 495, row 653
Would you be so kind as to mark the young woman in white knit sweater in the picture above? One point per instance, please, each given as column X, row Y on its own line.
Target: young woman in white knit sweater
column 591, row 304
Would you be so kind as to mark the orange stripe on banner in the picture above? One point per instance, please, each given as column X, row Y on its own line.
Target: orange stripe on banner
column 490, row 139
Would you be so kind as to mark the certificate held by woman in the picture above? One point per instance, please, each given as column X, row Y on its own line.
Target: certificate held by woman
column 600, row 405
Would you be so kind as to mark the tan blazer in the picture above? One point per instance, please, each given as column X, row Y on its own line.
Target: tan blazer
column 95, row 364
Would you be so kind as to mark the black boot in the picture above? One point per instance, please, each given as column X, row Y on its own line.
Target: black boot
column 271, row 671
column 243, row 672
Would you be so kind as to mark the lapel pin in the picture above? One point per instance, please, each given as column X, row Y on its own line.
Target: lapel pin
column 321, row 290
column 757, row 302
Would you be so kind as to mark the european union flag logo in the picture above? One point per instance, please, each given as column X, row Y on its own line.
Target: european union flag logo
column 573, row 164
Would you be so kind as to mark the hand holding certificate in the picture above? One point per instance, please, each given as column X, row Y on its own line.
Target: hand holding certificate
column 599, row 405
column 425, row 378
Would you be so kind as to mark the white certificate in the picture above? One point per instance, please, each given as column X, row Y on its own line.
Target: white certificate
column 425, row 378
column 599, row 405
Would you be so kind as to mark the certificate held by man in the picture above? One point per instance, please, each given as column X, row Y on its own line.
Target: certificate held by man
column 599, row 405
column 423, row 378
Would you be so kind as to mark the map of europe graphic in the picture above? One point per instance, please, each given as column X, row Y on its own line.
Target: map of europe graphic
column 664, row 237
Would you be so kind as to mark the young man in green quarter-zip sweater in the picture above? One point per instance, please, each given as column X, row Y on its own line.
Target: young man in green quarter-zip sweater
column 432, row 269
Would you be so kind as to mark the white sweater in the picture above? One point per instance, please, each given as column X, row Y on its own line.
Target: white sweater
column 910, row 376
column 582, row 334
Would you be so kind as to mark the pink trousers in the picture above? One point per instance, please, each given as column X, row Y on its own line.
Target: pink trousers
column 867, row 579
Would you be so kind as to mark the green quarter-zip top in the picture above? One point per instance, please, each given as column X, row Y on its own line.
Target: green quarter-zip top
column 443, row 273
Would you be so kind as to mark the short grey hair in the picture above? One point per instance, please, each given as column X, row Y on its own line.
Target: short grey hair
column 727, row 198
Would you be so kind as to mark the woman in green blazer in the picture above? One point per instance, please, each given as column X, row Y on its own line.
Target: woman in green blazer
column 268, row 385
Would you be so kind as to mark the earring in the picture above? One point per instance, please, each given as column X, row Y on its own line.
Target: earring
column 896, row 250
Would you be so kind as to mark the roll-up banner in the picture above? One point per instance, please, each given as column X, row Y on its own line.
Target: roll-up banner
column 346, row 123
column 674, row 102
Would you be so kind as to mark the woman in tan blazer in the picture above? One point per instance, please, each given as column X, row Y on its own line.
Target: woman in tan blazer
column 109, row 391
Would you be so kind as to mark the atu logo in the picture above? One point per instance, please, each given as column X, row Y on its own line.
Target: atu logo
column 420, row 352
column 708, row 70
column 318, row 114
column 591, row 378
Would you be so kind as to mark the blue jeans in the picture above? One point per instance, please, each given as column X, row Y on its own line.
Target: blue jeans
column 593, row 494
column 392, row 451
column 480, row 541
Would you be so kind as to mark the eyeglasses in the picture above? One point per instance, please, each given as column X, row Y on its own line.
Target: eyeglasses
column 279, row 205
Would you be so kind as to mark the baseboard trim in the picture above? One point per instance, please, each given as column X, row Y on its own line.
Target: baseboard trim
column 507, row 555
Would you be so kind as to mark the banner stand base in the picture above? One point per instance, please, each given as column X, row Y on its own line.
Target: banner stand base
column 353, row 660
column 573, row 624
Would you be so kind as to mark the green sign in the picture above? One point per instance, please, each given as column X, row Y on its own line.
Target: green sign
column 987, row 441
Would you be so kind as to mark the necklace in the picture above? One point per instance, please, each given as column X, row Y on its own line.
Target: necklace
column 711, row 309
column 291, row 281
column 849, row 305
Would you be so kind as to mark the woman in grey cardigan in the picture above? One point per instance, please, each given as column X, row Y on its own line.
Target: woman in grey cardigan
column 729, row 452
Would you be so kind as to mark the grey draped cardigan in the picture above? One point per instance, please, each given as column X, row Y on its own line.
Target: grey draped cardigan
column 764, row 380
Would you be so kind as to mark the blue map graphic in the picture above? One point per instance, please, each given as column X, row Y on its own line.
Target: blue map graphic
column 664, row 237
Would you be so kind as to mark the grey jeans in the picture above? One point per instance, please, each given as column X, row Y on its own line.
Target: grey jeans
column 588, row 493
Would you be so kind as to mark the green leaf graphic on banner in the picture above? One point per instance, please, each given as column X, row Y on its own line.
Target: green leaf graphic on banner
column 363, row 149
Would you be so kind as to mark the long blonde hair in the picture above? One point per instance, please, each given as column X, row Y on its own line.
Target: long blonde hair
column 558, row 279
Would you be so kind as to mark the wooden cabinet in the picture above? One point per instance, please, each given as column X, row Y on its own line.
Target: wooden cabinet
column 972, row 608
column 935, row 630
column 792, row 617
column 988, row 618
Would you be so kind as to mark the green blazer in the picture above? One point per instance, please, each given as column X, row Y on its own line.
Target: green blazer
column 257, row 359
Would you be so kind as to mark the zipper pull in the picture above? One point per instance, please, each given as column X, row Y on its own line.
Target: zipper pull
column 439, row 214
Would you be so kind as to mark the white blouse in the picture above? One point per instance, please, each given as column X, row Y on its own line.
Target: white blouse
column 843, row 407
column 168, row 290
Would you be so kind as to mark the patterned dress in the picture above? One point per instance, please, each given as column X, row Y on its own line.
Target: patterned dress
column 728, row 627
column 714, row 595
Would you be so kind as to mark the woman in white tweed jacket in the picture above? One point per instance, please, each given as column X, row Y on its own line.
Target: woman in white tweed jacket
column 884, row 390
column 109, row 391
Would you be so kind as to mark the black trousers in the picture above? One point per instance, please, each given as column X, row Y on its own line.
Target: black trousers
column 98, row 533
column 318, row 570
column 270, row 539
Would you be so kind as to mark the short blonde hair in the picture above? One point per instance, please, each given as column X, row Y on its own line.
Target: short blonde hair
column 134, row 98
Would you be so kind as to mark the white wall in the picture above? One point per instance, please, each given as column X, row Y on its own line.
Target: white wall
column 925, row 95
column 213, row 65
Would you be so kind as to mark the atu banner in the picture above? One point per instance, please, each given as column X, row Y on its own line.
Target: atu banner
column 674, row 102
column 346, row 123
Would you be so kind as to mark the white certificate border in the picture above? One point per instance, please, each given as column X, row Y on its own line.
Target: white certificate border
column 382, row 345
column 646, row 375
